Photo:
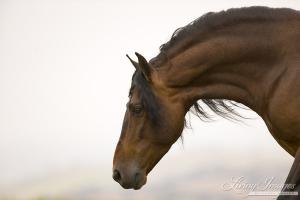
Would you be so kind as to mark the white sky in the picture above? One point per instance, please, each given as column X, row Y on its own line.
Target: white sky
column 64, row 80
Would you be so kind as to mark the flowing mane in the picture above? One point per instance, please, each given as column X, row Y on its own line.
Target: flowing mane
column 201, row 29
column 197, row 30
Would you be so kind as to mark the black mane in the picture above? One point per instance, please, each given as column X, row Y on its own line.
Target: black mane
column 193, row 33
column 214, row 20
column 198, row 29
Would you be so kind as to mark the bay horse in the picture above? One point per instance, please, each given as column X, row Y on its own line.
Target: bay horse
column 245, row 55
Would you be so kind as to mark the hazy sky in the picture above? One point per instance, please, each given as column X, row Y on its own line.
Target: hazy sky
column 64, row 81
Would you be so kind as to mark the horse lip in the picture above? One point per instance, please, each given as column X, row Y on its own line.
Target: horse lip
column 139, row 186
column 136, row 186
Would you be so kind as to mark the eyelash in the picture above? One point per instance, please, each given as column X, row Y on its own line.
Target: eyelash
column 136, row 109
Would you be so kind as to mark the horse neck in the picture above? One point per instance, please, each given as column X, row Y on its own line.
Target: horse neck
column 226, row 67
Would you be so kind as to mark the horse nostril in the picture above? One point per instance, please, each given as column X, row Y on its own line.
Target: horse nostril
column 116, row 175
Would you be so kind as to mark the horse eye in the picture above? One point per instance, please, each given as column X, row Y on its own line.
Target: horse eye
column 137, row 109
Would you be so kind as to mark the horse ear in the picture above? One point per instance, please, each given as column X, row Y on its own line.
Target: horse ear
column 144, row 66
column 135, row 64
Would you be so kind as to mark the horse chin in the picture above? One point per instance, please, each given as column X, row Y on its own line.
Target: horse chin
column 136, row 186
column 140, row 185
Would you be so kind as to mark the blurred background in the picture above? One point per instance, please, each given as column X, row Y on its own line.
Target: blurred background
column 64, row 82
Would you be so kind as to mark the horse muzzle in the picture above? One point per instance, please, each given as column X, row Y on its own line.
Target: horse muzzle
column 129, row 178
